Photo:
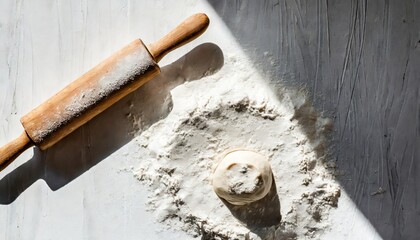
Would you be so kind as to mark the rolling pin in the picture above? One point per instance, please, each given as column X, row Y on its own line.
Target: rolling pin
column 99, row 88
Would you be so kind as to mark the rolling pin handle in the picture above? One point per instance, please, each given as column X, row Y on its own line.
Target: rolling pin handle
column 185, row 32
column 13, row 149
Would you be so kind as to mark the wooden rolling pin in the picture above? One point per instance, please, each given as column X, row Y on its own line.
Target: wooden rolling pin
column 98, row 89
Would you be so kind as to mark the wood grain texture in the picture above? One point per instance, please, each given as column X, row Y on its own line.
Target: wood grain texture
column 359, row 60
column 187, row 31
column 13, row 149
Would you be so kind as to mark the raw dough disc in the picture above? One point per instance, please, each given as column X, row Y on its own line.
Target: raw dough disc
column 242, row 177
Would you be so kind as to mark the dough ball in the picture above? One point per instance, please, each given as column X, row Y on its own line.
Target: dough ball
column 242, row 177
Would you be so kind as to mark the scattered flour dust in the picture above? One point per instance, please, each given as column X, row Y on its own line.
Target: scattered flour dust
column 234, row 108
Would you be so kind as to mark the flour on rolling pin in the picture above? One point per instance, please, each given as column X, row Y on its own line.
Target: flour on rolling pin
column 106, row 81
column 125, row 71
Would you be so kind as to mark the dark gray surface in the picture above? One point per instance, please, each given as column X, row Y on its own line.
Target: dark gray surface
column 360, row 60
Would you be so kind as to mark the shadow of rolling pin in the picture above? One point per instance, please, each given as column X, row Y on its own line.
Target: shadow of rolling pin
column 98, row 89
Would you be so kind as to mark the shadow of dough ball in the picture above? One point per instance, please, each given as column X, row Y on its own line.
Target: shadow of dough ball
column 242, row 177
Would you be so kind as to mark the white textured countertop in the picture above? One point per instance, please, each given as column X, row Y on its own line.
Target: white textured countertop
column 80, row 188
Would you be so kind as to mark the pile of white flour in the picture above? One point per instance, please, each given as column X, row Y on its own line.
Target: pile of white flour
column 234, row 108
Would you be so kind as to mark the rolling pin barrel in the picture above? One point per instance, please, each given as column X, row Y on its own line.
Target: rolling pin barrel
column 98, row 89
column 90, row 94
